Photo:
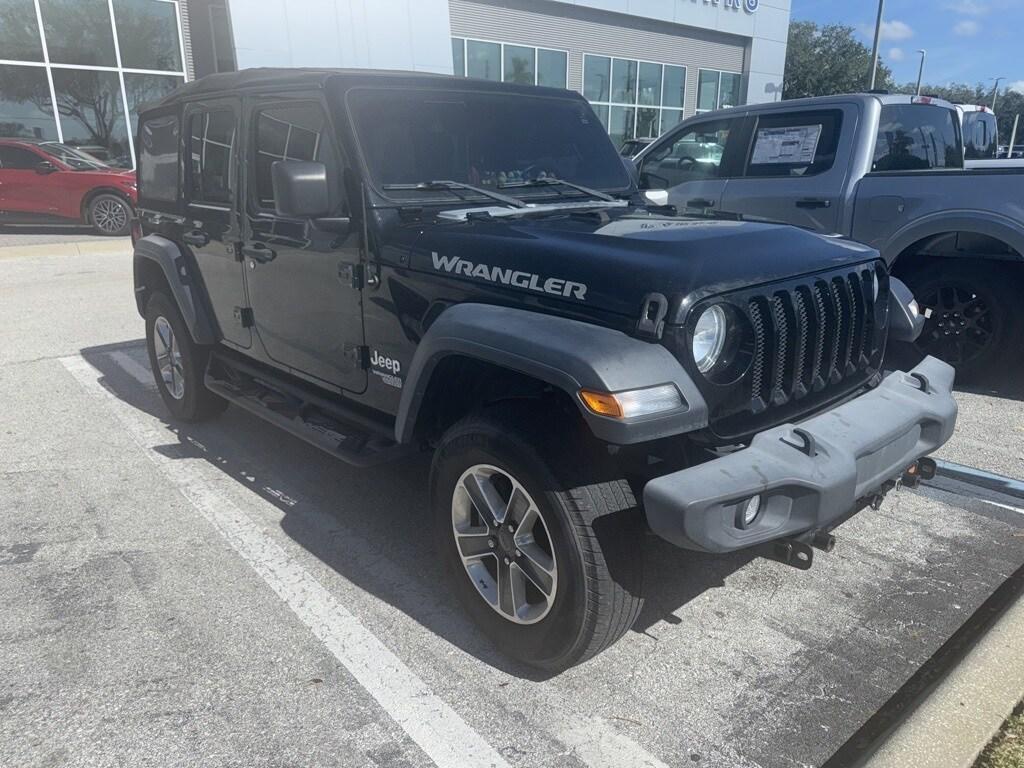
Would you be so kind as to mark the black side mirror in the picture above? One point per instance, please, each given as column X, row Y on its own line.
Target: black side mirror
column 300, row 189
column 45, row 167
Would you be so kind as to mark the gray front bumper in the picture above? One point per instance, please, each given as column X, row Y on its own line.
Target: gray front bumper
column 809, row 475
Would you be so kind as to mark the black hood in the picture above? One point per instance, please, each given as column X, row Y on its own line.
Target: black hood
column 621, row 255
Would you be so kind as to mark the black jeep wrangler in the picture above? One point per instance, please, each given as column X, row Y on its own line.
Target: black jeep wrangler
column 382, row 263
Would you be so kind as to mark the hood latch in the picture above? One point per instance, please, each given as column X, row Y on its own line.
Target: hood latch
column 651, row 324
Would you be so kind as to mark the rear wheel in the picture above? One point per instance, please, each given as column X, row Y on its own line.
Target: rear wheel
column 542, row 546
column 110, row 215
column 178, row 363
column 972, row 314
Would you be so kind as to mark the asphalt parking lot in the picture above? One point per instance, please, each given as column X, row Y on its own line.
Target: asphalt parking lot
column 225, row 595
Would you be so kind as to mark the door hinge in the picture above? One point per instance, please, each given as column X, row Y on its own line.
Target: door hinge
column 358, row 355
column 243, row 315
column 352, row 275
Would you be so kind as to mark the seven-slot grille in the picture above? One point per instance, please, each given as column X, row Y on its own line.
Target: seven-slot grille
column 812, row 334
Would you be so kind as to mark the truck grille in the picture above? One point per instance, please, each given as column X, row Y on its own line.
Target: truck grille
column 809, row 341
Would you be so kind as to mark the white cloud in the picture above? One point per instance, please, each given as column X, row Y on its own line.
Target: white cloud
column 967, row 7
column 896, row 30
column 896, row 54
column 966, row 28
column 1017, row 86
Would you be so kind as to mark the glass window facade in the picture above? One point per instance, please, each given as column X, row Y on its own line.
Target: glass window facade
column 505, row 62
column 634, row 99
column 718, row 90
column 81, row 77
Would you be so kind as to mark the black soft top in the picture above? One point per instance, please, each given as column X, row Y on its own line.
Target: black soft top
column 343, row 79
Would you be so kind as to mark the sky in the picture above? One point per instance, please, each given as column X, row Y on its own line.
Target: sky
column 968, row 41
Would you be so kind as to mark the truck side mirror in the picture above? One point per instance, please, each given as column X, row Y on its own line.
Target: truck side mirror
column 45, row 167
column 300, row 189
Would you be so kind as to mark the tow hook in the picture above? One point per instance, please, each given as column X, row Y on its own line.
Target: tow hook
column 922, row 469
column 794, row 552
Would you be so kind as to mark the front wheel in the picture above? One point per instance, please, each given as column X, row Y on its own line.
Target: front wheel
column 972, row 311
column 545, row 557
column 110, row 215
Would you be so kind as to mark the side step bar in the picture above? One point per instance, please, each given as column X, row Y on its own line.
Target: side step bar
column 307, row 416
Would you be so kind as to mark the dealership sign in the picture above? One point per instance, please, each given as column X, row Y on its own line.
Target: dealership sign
column 748, row 5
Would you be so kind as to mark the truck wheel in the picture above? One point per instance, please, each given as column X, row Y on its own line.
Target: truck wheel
column 973, row 320
column 110, row 215
column 178, row 363
column 547, row 559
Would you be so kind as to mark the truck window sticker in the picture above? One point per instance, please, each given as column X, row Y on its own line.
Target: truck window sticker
column 794, row 145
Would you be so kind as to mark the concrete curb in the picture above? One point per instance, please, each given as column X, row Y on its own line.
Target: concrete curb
column 82, row 248
column 949, row 710
column 953, row 725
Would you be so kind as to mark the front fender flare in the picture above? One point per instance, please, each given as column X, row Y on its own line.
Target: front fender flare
column 184, row 289
column 567, row 354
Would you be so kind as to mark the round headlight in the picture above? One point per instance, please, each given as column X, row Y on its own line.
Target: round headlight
column 709, row 338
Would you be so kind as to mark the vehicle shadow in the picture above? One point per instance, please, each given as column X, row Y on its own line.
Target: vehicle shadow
column 371, row 525
column 48, row 229
column 1007, row 382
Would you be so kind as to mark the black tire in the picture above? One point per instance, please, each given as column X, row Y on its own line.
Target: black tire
column 110, row 214
column 976, row 323
column 595, row 533
column 194, row 402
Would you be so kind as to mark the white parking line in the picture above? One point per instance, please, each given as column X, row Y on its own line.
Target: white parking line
column 136, row 370
column 433, row 725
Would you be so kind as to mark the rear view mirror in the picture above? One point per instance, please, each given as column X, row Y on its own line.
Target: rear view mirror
column 45, row 167
column 300, row 189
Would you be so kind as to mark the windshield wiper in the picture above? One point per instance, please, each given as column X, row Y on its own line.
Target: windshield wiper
column 457, row 186
column 551, row 180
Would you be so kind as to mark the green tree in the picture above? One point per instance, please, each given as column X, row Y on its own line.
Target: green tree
column 821, row 61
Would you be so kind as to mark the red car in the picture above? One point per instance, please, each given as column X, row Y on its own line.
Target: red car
column 46, row 181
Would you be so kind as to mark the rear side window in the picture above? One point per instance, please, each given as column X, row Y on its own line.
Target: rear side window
column 794, row 144
column 916, row 137
column 18, row 159
column 158, row 158
column 293, row 132
column 211, row 156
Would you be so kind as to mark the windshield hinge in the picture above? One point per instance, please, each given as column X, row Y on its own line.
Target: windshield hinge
column 651, row 324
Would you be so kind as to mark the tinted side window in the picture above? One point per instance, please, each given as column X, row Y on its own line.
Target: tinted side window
column 16, row 158
column 979, row 129
column 694, row 154
column 795, row 144
column 158, row 158
column 916, row 137
column 211, row 156
column 292, row 133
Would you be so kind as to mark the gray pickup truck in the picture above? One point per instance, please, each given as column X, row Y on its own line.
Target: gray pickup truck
column 887, row 171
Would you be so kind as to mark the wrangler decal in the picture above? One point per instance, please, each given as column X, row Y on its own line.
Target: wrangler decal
column 527, row 280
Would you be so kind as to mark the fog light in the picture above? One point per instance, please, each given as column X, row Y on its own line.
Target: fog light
column 749, row 510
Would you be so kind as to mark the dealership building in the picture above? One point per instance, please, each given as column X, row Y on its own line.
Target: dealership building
column 77, row 70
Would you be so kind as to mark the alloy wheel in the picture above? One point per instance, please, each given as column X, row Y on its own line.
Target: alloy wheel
column 168, row 358
column 504, row 543
column 959, row 324
column 110, row 215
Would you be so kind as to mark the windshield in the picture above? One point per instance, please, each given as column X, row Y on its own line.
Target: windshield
column 71, row 157
column 488, row 140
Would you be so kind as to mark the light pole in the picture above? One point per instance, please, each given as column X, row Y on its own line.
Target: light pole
column 995, row 92
column 874, row 48
column 920, row 70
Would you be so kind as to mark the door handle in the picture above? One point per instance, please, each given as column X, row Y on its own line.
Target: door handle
column 259, row 252
column 196, row 237
column 813, row 203
column 700, row 203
